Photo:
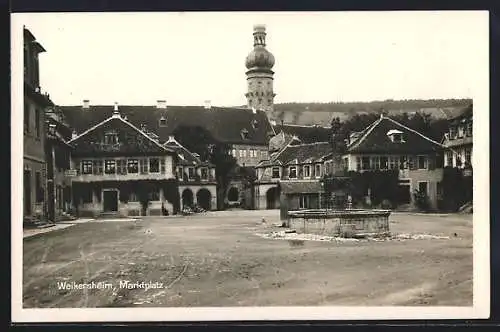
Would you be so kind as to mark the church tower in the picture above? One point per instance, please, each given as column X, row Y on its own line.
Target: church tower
column 259, row 63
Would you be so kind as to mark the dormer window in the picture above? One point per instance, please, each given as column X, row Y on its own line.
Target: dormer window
column 111, row 137
column 163, row 121
column 244, row 134
column 255, row 124
column 395, row 136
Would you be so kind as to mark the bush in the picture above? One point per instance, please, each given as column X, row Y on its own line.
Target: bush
column 386, row 204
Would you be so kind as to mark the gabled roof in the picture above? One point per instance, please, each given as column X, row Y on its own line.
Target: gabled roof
column 224, row 124
column 185, row 157
column 307, row 134
column 302, row 153
column 374, row 139
column 116, row 117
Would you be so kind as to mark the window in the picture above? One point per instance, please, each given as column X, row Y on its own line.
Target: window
column 133, row 166
column 132, row 197
column 384, row 163
column 376, row 162
column 307, row 171
column 458, row 160
column 460, row 132
column 453, row 132
column 422, row 162
column 393, row 162
column 163, row 121
column 86, row 166
column 468, row 157
column 244, row 134
column 97, row 167
column 468, row 129
column 365, row 163
column 276, row 173
column 111, row 138
column 38, row 187
column 328, row 168
column 121, row 166
column 154, row 195
column 180, row 173
column 255, row 124
column 245, row 153
column 234, row 153
column 162, row 165
column 317, row 171
column 449, row 158
column 263, row 154
column 403, row 164
column 204, row 173
column 38, row 124
column 154, row 165
column 422, row 187
column 304, row 202
column 358, row 163
column 110, row 166
column 191, row 173
column 144, row 165
column 26, row 118
column 241, row 153
column 292, row 173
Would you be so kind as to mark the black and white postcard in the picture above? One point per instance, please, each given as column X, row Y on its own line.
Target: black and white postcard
column 204, row 166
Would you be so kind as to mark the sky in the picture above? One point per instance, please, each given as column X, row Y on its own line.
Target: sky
column 187, row 58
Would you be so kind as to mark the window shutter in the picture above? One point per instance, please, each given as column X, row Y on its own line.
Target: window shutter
column 162, row 165
column 413, row 161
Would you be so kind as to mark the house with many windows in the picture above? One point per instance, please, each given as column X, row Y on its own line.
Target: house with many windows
column 245, row 131
column 458, row 140
column 296, row 171
column 389, row 145
column 35, row 105
column 121, row 170
column 58, row 160
column 196, row 178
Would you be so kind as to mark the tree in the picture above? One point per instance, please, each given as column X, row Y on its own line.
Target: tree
column 199, row 140
column 224, row 163
column 196, row 139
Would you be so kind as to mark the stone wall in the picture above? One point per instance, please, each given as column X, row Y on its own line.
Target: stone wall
column 368, row 224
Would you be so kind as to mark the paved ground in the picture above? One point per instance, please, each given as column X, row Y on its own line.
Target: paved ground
column 217, row 259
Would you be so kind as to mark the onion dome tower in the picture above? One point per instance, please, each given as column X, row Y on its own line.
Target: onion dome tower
column 259, row 63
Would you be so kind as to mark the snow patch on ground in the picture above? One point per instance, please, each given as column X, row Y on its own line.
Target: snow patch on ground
column 287, row 235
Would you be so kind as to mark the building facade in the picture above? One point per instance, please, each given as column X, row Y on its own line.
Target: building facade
column 388, row 145
column 122, row 171
column 296, row 171
column 35, row 104
column 196, row 178
column 458, row 140
column 58, row 161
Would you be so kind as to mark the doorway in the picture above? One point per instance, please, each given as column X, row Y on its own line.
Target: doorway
column 272, row 198
column 204, row 199
column 110, row 200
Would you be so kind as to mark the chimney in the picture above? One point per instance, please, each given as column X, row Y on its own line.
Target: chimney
column 74, row 134
column 86, row 104
column 116, row 113
column 208, row 104
column 161, row 104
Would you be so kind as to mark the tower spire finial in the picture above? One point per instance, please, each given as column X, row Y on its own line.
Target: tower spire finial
column 259, row 35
